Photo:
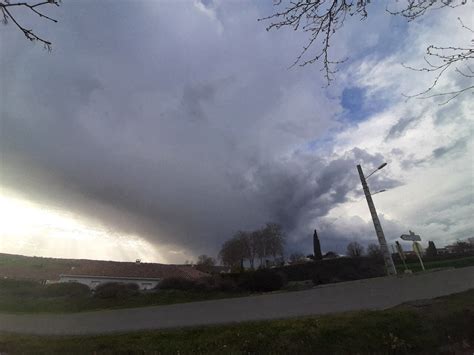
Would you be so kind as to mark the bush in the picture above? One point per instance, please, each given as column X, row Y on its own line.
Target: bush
column 263, row 280
column 319, row 278
column 69, row 289
column 206, row 284
column 334, row 270
column 20, row 288
column 176, row 283
column 227, row 285
column 116, row 290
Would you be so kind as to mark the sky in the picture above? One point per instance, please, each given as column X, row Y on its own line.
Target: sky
column 157, row 129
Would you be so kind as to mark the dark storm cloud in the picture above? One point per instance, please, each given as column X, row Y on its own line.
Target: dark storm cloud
column 162, row 121
column 299, row 191
column 197, row 96
column 101, row 134
column 337, row 233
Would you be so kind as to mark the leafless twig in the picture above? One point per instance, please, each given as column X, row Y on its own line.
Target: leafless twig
column 6, row 7
column 441, row 59
column 417, row 8
column 321, row 19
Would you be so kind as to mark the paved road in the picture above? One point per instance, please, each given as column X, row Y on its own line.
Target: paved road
column 378, row 293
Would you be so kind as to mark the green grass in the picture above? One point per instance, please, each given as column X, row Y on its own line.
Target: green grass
column 456, row 263
column 442, row 325
column 32, row 297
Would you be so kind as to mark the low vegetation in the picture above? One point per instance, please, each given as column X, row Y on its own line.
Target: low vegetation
column 415, row 266
column 18, row 296
column 205, row 284
column 336, row 270
column 441, row 326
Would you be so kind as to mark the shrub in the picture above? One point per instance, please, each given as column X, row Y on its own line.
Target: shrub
column 263, row 280
column 207, row 284
column 227, row 285
column 319, row 278
column 333, row 270
column 177, row 283
column 69, row 289
column 116, row 290
column 20, row 287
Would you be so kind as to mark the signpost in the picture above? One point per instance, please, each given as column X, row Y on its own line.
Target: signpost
column 411, row 237
column 402, row 255
column 415, row 238
column 418, row 250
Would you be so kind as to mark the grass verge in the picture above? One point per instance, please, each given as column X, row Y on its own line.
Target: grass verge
column 455, row 262
column 31, row 297
column 443, row 325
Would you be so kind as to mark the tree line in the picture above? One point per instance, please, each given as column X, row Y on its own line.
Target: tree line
column 255, row 246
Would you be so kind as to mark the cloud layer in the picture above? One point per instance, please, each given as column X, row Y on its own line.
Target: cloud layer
column 180, row 123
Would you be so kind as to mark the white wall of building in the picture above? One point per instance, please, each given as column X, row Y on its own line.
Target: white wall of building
column 94, row 281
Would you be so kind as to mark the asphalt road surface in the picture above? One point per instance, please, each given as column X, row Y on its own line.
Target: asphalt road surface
column 377, row 293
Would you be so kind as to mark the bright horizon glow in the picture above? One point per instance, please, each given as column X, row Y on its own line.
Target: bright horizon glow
column 33, row 230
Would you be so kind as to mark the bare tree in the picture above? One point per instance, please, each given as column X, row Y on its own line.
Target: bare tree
column 274, row 239
column 246, row 246
column 440, row 60
column 463, row 246
column 234, row 251
column 9, row 7
column 374, row 251
column 354, row 249
column 205, row 260
column 321, row 19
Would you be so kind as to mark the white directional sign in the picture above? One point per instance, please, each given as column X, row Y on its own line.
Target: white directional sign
column 411, row 237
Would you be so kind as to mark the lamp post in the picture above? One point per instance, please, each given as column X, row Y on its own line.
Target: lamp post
column 391, row 271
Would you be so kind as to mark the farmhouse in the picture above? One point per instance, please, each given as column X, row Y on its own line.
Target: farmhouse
column 92, row 282
column 145, row 275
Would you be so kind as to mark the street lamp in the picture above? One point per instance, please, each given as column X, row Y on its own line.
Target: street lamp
column 375, row 193
column 378, row 227
column 372, row 173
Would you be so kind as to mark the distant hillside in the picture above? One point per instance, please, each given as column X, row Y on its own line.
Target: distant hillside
column 40, row 268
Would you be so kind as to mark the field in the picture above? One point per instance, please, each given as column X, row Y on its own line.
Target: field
column 444, row 325
column 456, row 263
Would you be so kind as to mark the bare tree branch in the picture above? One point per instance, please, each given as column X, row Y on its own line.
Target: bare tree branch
column 6, row 7
column 321, row 19
column 441, row 60
column 417, row 8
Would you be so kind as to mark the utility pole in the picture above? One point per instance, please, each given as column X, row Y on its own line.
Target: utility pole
column 391, row 271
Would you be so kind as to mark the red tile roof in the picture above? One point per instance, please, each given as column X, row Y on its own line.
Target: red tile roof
column 124, row 269
column 38, row 268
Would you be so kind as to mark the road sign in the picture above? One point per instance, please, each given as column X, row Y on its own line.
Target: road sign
column 411, row 237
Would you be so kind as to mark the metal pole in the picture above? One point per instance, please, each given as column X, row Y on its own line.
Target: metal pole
column 417, row 250
column 378, row 227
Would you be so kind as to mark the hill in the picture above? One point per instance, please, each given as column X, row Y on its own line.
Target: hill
column 42, row 268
